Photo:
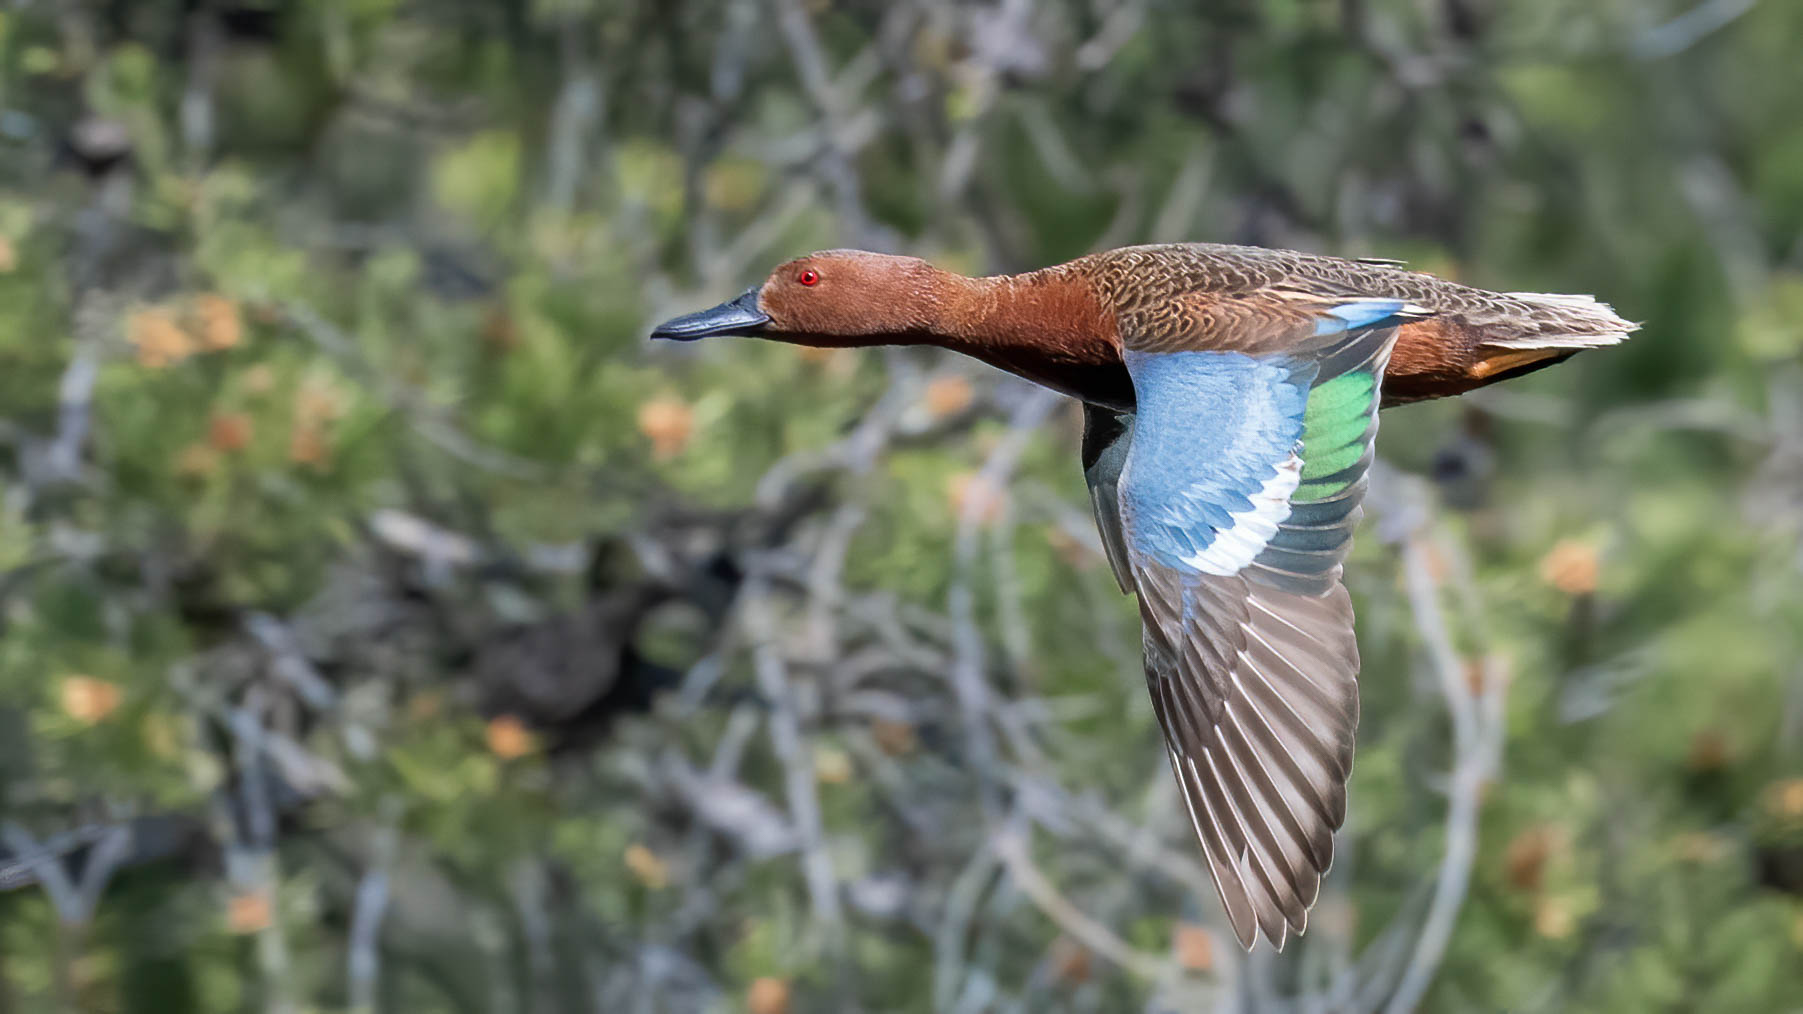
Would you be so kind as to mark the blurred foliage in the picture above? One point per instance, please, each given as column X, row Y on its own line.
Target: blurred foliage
column 349, row 528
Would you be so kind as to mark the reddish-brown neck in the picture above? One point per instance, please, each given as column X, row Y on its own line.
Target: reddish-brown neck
column 1047, row 326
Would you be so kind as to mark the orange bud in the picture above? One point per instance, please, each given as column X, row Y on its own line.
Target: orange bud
column 249, row 912
column 949, row 395
column 1194, row 946
column 648, row 867
column 1571, row 566
column 768, row 995
column 508, row 737
column 668, row 422
column 229, row 431
column 159, row 340
column 220, row 325
column 89, row 700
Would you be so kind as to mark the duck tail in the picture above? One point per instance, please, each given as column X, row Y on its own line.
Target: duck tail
column 1555, row 320
column 1508, row 334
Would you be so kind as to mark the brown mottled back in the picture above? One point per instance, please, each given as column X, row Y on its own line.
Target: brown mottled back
column 1169, row 296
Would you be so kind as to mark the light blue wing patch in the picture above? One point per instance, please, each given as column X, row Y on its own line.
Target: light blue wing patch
column 1244, row 462
column 1359, row 313
column 1213, row 459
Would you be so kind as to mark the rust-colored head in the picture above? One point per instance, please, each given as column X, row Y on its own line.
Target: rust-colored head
column 830, row 298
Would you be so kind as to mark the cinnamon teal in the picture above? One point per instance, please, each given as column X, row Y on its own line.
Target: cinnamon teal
column 1230, row 397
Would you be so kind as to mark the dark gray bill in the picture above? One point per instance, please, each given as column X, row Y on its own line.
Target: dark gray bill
column 738, row 317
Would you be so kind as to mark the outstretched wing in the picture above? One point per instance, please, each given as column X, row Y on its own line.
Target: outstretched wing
column 1237, row 500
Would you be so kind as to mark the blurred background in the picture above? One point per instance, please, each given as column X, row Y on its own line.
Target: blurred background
column 386, row 624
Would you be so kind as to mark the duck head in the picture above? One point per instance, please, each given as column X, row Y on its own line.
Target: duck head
column 834, row 298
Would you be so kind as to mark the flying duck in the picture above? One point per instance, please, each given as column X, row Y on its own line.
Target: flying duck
column 1230, row 400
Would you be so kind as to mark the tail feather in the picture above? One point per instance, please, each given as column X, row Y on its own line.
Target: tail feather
column 1576, row 300
column 1545, row 340
column 1557, row 320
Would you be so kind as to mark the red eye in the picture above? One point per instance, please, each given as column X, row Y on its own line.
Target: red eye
column 808, row 277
